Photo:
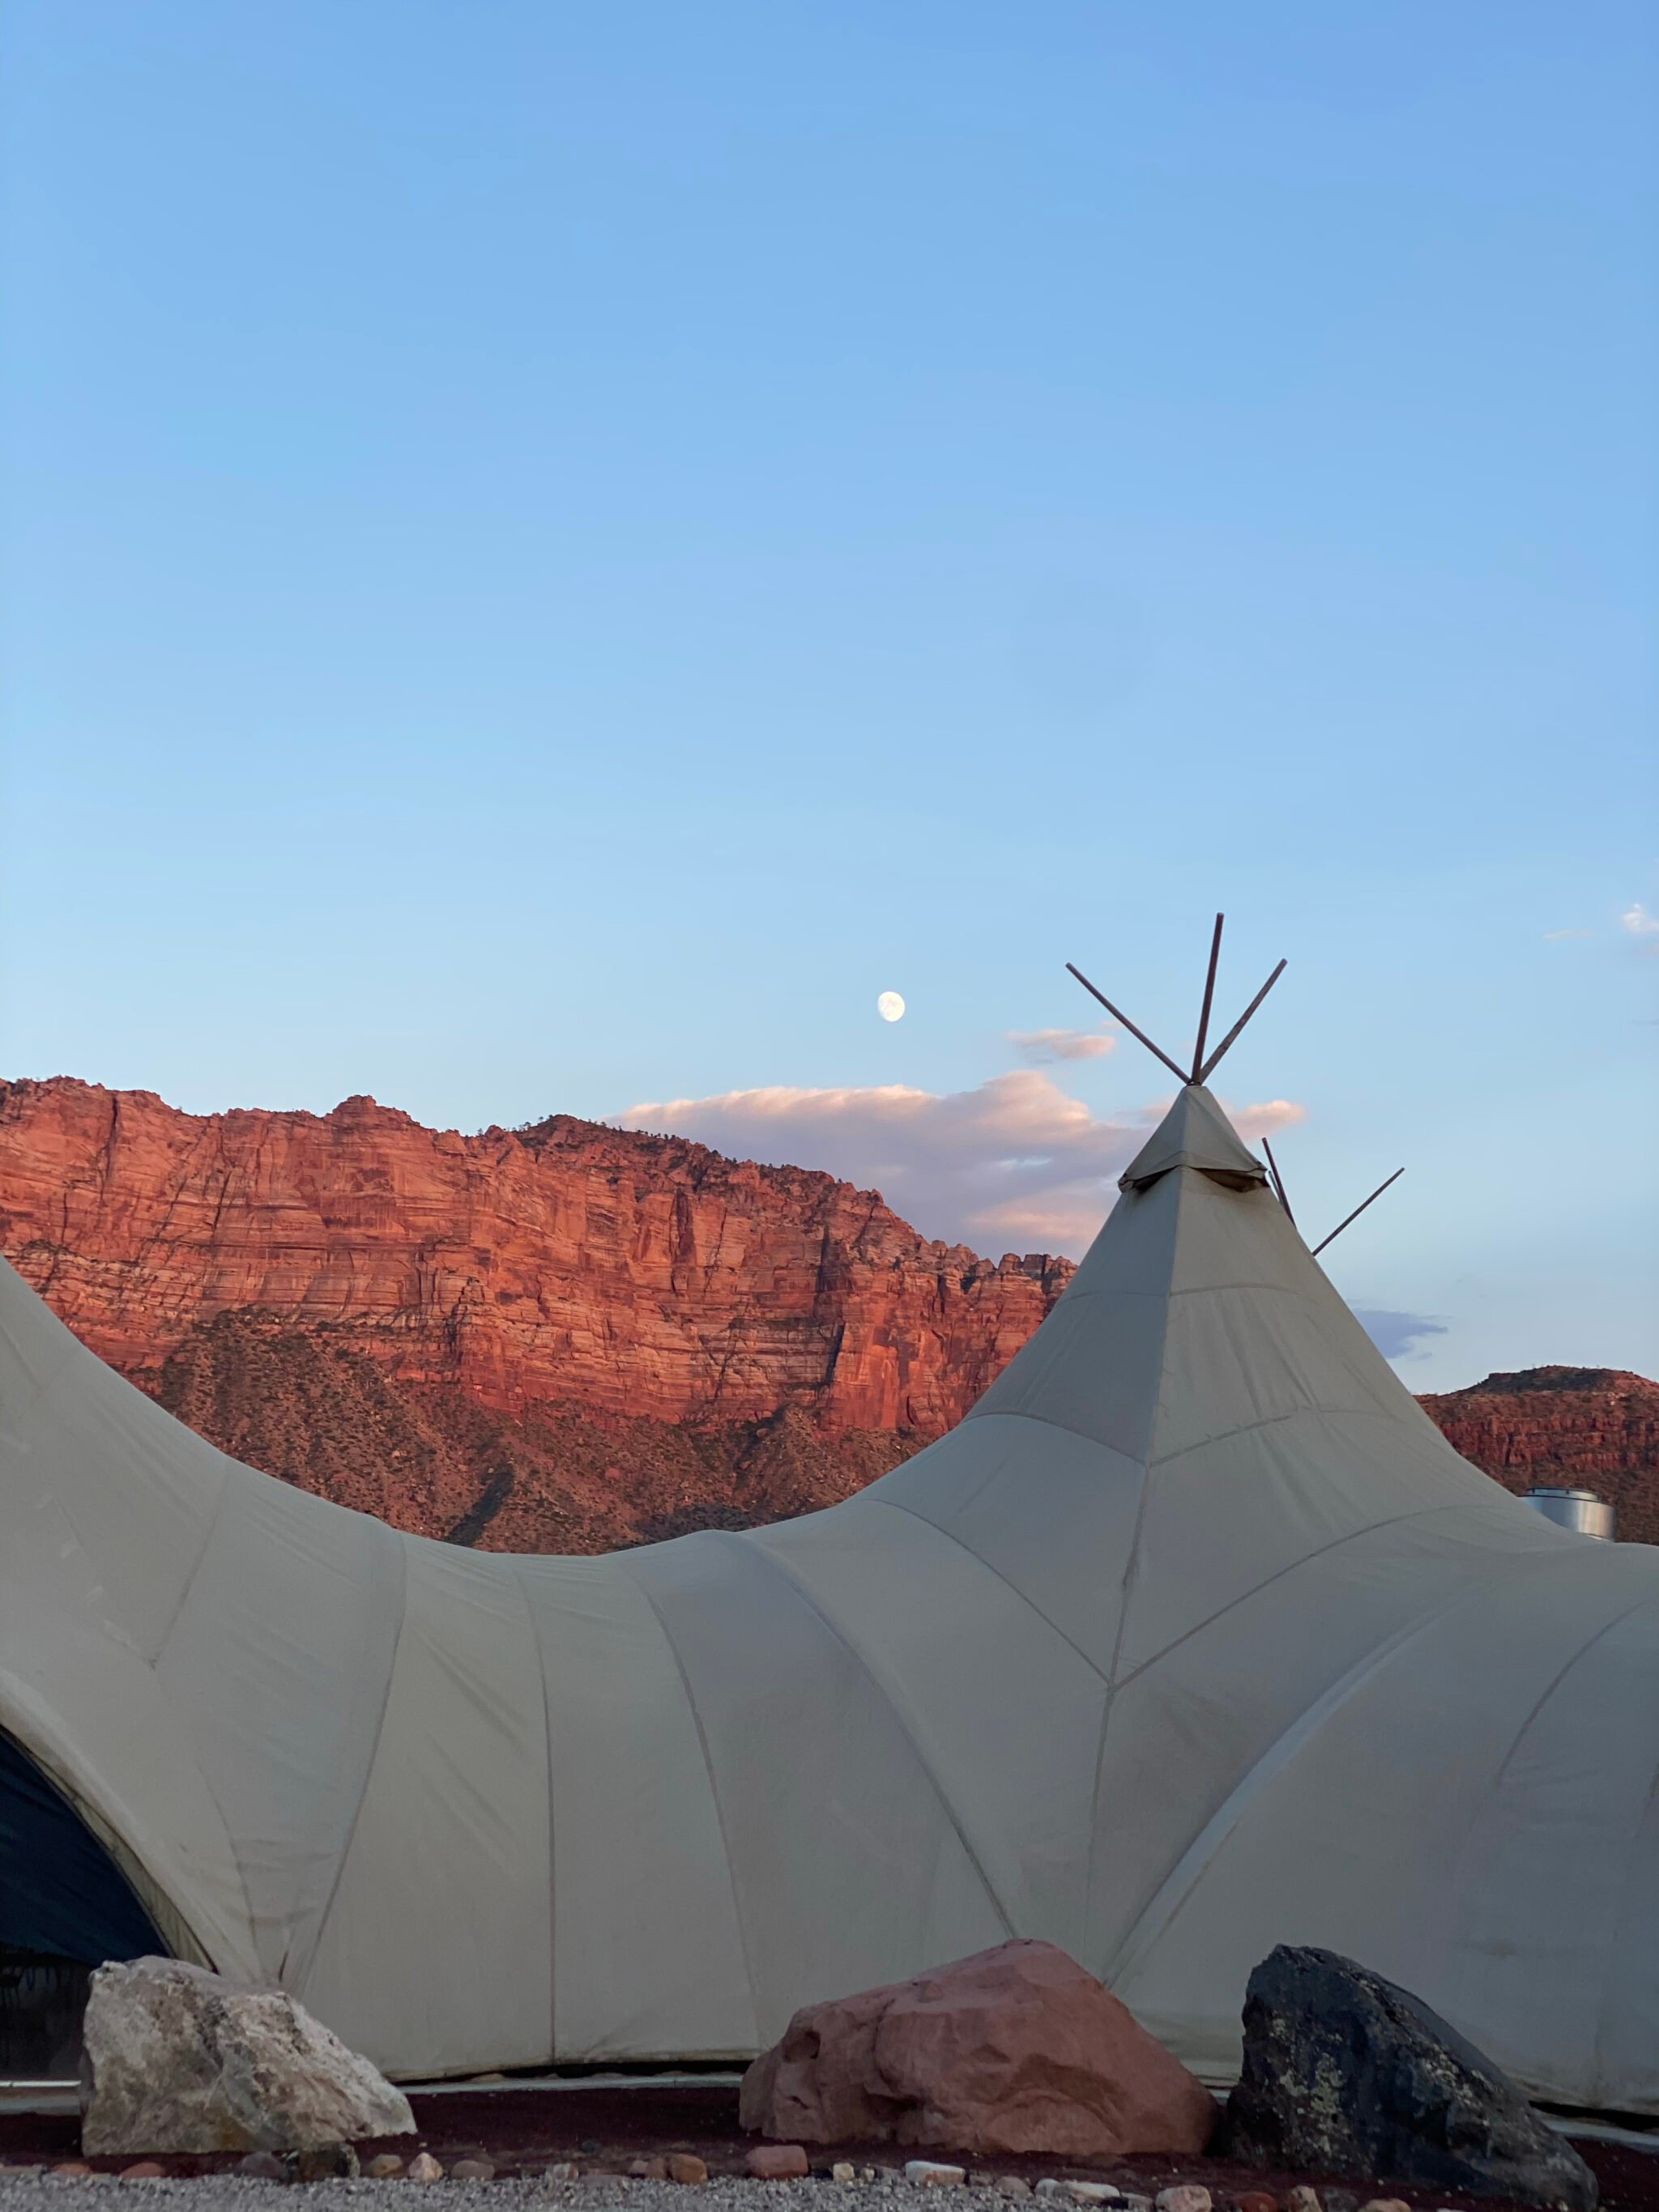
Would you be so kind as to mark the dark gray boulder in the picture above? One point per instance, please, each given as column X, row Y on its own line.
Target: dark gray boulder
column 1345, row 2073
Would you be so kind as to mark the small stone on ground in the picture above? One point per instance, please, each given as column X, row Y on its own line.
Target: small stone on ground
column 328, row 2162
column 777, row 2161
column 1185, row 2196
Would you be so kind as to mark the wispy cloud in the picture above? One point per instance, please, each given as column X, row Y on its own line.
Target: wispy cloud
column 1638, row 921
column 1397, row 1335
column 1015, row 1164
column 1063, row 1044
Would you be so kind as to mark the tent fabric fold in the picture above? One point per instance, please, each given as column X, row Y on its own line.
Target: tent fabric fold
column 1194, row 1638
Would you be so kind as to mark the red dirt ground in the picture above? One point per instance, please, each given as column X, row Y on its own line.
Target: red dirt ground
column 523, row 2129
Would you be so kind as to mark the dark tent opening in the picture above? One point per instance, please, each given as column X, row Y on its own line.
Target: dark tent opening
column 65, row 1907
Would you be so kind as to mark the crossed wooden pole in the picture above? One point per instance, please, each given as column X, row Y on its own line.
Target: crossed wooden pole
column 1202, row 1069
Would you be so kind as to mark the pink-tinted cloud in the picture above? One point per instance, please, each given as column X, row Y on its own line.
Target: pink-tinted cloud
column 1063, row 1044
column 1015, row 1164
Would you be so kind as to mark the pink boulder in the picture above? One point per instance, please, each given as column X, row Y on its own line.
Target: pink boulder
column 1014, row 2049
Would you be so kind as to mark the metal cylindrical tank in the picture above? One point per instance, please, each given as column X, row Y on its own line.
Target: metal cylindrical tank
column 1580, row 1510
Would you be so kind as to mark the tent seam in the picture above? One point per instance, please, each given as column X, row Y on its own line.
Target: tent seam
column 1068, row 1429
column 1349, row 1536
column 1128, row 1462
column 231, row 1468
column 403, row 1542
column 970, row 1497
column 714, row 1787
column 522, row 1587
column 1560, row 1677
column 1274, row 1420
column 1297, row 1732
column 1111, row 1699
column 856, row 1654
column 979, row 1559
column 1587, row 1646
column 1127, row 1585
column 1614, row 1949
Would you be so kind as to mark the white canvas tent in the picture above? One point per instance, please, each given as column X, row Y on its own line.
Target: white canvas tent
column 1195, row 1637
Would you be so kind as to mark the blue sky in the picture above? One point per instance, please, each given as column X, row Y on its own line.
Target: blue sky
column 553, row 552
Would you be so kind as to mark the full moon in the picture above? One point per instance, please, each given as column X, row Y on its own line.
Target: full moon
column 890, row 1006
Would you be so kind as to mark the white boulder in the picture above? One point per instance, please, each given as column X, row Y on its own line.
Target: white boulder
column 176, row 2059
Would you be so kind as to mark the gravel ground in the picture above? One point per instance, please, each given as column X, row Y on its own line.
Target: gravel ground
column 21, row 2190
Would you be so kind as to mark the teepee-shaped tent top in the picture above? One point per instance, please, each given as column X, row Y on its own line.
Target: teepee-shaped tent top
column 1193, row 1133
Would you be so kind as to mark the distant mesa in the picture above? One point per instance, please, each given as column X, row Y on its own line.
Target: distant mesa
column 1595, row 1428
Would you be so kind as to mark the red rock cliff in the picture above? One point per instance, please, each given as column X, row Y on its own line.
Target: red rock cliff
column 567, row 1337
column 536, row 1273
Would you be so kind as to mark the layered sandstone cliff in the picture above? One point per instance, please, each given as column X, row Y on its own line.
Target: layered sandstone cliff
column 567, row 1337
column 614, row 1330
column 1593, row 1428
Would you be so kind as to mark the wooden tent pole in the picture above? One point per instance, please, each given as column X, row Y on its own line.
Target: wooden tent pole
column 1279, row 1182
column 1179, row 1073
column 1357, row 1211
column 1227, row 1042
column 1209, row 995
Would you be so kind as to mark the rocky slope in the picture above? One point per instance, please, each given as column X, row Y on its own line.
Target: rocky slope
column 563, row 1335
column 566, row 1337
column 1596, row 1428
